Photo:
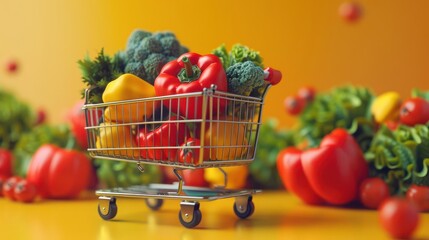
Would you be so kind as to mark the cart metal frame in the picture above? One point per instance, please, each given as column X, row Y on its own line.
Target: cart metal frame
column 243, row 113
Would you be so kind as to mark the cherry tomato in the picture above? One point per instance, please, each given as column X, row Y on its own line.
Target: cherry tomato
column 12, row 66
column 307, row 94
column 41, row 116
column 399, row 217
column 9, row 187
column 372, row 192
column 25, row 191
column 6, row 159
column 3, row 179
column 420, row 196
column 294, row 105
column 194, row 177
column 350, row 11
column 190, row 151
column 414, row 111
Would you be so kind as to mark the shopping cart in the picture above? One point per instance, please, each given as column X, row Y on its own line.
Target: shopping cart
column 156, row 131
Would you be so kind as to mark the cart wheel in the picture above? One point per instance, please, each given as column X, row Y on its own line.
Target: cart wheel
column 107, row 208
column 154, row 203
column 244, row 207
column 190, row 215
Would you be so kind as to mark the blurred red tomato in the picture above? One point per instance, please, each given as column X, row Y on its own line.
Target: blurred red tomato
column 420, row 196
column 294, row 105
column 372, row 192
column 9, row 187
column 350, row 11
column 414, row 111
column 25, row 191
column 399, row 217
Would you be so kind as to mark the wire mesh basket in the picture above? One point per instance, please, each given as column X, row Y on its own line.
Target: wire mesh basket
column 202, row 129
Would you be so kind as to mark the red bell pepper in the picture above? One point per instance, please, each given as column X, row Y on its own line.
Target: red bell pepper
column 191, row 72
column 162, row 143
column 293, row 177
column 76, row 117
column 332, row 171
column 340, row 137
column 6, row 161
column 59, row 173
column 330, row 174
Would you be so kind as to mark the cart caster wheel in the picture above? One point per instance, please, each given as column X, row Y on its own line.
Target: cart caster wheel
column 244, row 207
column 107, row 208
column 190, row 215
column 153, row 203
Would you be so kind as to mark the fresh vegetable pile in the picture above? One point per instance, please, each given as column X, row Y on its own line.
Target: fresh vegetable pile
column 155, row 66
column 352, row 147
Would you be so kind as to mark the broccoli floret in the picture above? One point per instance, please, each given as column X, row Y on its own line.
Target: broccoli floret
column 137, row 69
column 153, row 64
column 147, row 53
column 244, row 77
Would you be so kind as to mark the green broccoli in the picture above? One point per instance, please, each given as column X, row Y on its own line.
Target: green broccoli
column 147, row 53
column 244, row 77
column 238, row 54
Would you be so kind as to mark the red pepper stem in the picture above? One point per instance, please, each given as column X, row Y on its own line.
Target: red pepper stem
column 188, row 67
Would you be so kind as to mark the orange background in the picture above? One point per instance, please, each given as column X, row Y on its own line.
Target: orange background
column 387, row 49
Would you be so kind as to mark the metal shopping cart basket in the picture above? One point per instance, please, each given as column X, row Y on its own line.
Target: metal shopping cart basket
column 226, row 126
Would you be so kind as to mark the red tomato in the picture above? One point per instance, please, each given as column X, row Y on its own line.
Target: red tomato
column 399, row 217
column 307, row 94
column 25, row 191
column 372, row 192
column 350, row 11
column 414, row 111
column 291, row 173
column 194, row 177
column 12, row 66
column 3, row 180
column 420, row 196
column 9, row 186
column 190, row 151
column 41, row 116
column 294, row 105
column 6, row 159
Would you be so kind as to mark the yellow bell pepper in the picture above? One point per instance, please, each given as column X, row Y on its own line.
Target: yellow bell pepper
column 385, row 107
column 236, row 176
column 127, row 87
column 118, row 137
column 227, row 140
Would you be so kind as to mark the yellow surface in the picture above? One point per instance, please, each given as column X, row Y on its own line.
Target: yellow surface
column 278, row 215
column 306, row 39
